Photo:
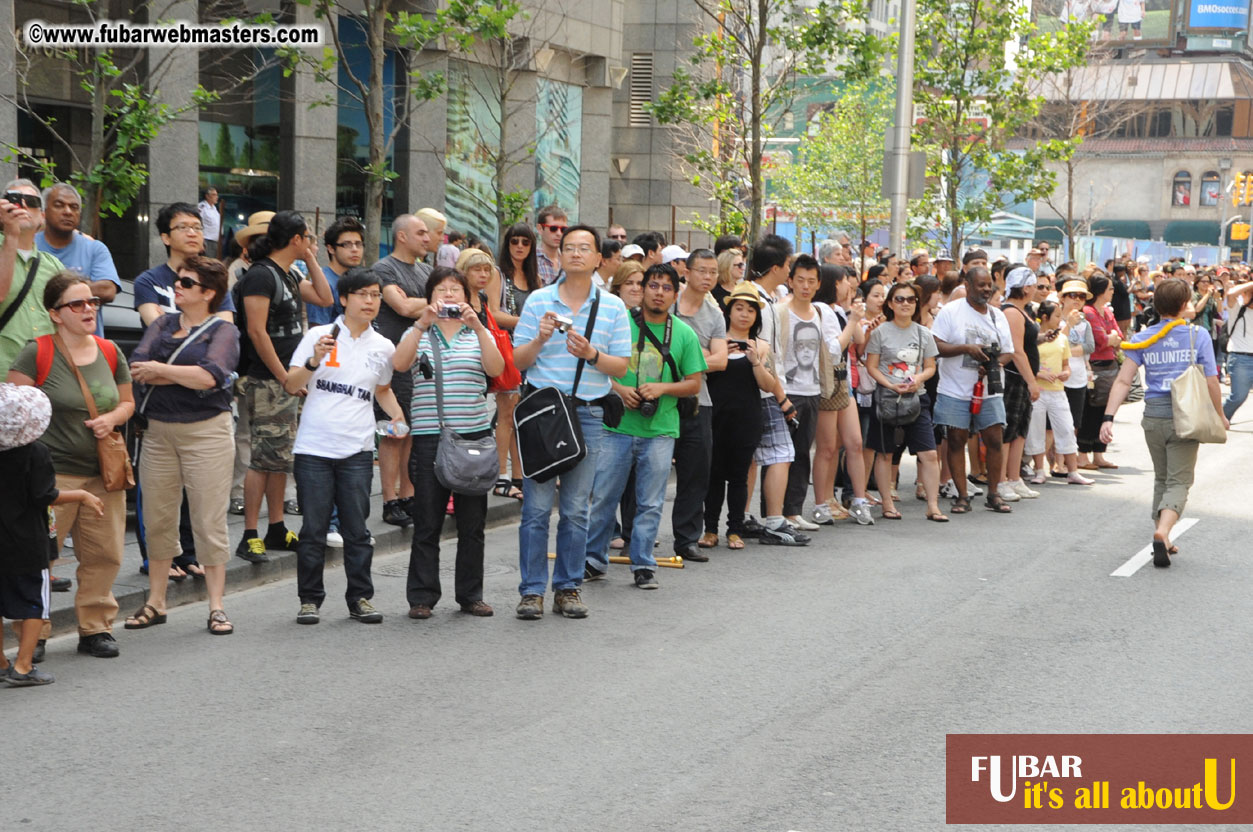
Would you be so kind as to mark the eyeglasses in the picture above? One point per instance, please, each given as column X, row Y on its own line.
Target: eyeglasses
column 583, row 249
column 656, row 286
column 557, row 229
column 520, row 241
column 738, row 265
column 77, row 306
column 188, row 229
column 187, row 283
column 350, row 244
column 903, row 299
column 29, row 200
column 367, row 295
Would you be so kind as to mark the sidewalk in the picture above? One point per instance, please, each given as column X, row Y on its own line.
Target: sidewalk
column 131, row 587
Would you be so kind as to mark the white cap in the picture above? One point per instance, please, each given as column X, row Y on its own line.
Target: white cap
column 629, row 251
column 673, row 252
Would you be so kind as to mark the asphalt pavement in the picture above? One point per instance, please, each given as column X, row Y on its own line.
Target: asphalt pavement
column 770, row 689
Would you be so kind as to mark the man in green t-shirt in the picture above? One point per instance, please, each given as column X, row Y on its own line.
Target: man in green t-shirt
column 666, row 365
column 19, row 260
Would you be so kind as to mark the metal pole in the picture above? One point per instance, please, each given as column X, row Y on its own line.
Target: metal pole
column 1248, row 247
column 900, row 131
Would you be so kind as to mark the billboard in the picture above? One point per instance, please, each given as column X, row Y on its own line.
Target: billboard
column 1116, row 21
column 1226, row 15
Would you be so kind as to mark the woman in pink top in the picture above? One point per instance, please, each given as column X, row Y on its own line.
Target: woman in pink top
column 1107, row 337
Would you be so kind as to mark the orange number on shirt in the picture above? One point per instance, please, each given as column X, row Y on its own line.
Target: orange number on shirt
column 331, row 358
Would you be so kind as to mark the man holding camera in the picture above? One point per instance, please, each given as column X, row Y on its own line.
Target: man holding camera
column 974, row 341
column 664, row 369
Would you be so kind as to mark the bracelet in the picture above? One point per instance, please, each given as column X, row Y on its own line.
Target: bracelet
column 313, row 368
column 1106, row 418
column 595, row 358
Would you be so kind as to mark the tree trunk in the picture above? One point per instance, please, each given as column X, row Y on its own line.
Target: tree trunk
column 757, row 196
column 89, row 220
column 1070, row 210
column 502, row 149
column 375, row 180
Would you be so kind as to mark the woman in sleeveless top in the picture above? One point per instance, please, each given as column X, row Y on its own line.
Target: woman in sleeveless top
column 1021, row 389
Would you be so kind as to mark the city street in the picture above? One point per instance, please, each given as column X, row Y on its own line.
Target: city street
column 769, row 689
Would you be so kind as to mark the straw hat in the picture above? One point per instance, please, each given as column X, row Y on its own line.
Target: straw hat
column 1075, row 286
column 744, row 290
column 258, row 223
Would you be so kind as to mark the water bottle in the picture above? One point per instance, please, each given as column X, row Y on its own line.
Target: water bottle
column 386, row 428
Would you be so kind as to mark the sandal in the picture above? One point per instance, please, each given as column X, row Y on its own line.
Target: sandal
column 1106, row 465
column 977, row 479
column 734, row 541
column 998, row 505
column 709, row 540
column 505, row 488
column 517, row 484
column 890, row 515
column 195, row 569
column 146, row 616
column 219, row 624
column 961, row 505
column 177, row 575
column 937, row 517
column 838, row 512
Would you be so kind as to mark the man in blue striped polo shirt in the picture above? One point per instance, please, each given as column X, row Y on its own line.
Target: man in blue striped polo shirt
column 550, row 358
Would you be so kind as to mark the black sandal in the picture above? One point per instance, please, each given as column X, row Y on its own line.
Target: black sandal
column 505, row 488
column 998, row 505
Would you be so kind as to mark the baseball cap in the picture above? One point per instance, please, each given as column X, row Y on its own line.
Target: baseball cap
column 631, row 250
column 673, row 252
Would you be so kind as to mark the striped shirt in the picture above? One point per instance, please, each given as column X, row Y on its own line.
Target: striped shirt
column 465, row 386
column 555, row 366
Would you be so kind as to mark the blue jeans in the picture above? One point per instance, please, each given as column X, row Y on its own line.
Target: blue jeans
column 321, row 485
column 538, row 499
column 652, row 467
column 1241, row 365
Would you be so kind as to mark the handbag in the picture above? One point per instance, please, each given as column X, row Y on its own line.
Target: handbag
column 510, row 378
column 115, row 460
column 1105, row 375
column 545, row 421
column 1191, row 405
column 463, row 466
column 896, row 409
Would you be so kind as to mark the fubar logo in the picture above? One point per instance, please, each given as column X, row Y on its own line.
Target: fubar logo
column 1098, row 778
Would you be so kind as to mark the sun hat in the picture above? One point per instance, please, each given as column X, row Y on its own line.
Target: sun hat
column 1075, row 286
column 258, row 223
column 24, row 415
column 744, row 291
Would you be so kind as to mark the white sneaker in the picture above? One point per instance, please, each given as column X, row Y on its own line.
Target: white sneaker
column 1007, row 493
column 801, row 523
column 334, row 539
column 1021, row 489
column 822, row 515
column 949, row 490
column 861, row 513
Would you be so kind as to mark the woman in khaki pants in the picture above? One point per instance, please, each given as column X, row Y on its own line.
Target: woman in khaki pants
column 71, row 437
column 190, row 441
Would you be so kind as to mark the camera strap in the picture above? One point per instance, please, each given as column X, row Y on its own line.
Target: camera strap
column 663, row 346
column 21, row 294
column 587, row 333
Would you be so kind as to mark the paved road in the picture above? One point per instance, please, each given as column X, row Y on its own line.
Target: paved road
column 767, row 690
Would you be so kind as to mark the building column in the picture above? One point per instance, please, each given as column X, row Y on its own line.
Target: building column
column 174, row 153
column 597, row 141
column 307, row 140
column 419, row 150
column 8, row 85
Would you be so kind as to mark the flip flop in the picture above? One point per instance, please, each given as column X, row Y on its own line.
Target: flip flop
column 937, row 518
column 734, row 541
column 1107, row 465
column 891, row 515
column 1161, row 558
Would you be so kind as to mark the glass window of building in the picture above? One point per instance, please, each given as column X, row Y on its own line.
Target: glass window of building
column 1181, row 191
column 1211, row 188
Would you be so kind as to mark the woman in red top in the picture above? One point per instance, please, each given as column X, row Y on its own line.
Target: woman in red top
column 1107, row 336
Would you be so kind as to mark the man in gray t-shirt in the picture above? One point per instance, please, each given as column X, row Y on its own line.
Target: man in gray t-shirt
column 694, row 447
column 410, row 278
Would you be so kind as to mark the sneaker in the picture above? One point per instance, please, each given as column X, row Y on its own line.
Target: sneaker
column 1039, row 478
column 100, row 645
column 567, row 602
column 308, row 614
column 252, row 549
column 364, row 611
column 591, row 573
column 59, row 584
column 1007, row 493
column 785, row 535
column 1078, row 479
column 949, row 490
column 26, row 680
column 530, row 608
column 394, row 513
column 291, row 507
column 284, row 541
column 974, row 490
column 801, row 523
column 861, row 513
column 334, row 539
column 751, row 527
column 645, row 579
column 5, row 671
column 236, row 507
column 1022, row 490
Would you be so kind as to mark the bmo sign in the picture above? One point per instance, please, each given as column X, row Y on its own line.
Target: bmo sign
column 1218, row 14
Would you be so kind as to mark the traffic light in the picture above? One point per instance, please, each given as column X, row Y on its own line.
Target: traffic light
column 1247, row 198
column 1240, row 231
column 1237, row 190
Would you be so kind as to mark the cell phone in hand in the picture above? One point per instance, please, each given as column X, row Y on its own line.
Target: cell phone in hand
column 335, row 332
column 743, row 345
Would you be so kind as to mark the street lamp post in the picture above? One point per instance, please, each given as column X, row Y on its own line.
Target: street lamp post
column 900, row 130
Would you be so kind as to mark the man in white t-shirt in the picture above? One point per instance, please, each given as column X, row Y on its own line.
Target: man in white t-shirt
column 968, row 333
column 345, row 366
column 211, row 219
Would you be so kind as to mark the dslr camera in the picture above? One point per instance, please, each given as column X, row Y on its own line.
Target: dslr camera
column 991, row 364
column 648, row 408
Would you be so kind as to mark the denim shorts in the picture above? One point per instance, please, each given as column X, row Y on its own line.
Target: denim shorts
column 955, row 413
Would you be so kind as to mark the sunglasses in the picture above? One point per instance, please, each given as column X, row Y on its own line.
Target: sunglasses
column 520, row 241
column 187, row 283
column 1079, row 295
column 555, row 228
column 19, row 198
column 902, row 300
column 78, row 306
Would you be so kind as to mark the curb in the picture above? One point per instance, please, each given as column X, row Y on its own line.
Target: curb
column 131, row 592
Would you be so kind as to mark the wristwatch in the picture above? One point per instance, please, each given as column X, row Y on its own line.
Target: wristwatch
column 311, row 365
column 1107, row 418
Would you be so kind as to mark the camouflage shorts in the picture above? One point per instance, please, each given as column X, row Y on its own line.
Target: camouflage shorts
column 272, row 415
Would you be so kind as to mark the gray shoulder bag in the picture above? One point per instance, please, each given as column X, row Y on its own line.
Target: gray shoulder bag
column 463, row 466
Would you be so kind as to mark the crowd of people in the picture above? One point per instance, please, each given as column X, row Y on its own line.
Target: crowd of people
column 277, row 358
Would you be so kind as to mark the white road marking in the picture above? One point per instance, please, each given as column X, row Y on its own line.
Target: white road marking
column 1145, row 555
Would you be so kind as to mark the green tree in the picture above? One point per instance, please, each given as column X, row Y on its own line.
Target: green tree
column 741, row 80
column 983, row 60
column 837, row 174
column 225, row 152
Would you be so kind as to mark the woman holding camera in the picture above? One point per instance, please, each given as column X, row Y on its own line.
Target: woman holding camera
column 1165, row 350
column 469, row 357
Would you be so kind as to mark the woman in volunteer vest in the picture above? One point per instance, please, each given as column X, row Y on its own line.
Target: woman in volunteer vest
column 71, row 437
column 190, row 439
column 1165, row 350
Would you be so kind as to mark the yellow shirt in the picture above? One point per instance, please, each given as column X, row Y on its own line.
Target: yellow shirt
column 1053, row 355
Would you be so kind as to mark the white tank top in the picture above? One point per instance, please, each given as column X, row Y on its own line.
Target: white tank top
column 1241, row 332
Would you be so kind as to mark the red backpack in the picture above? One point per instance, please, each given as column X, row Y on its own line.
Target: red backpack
column 45, row 350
